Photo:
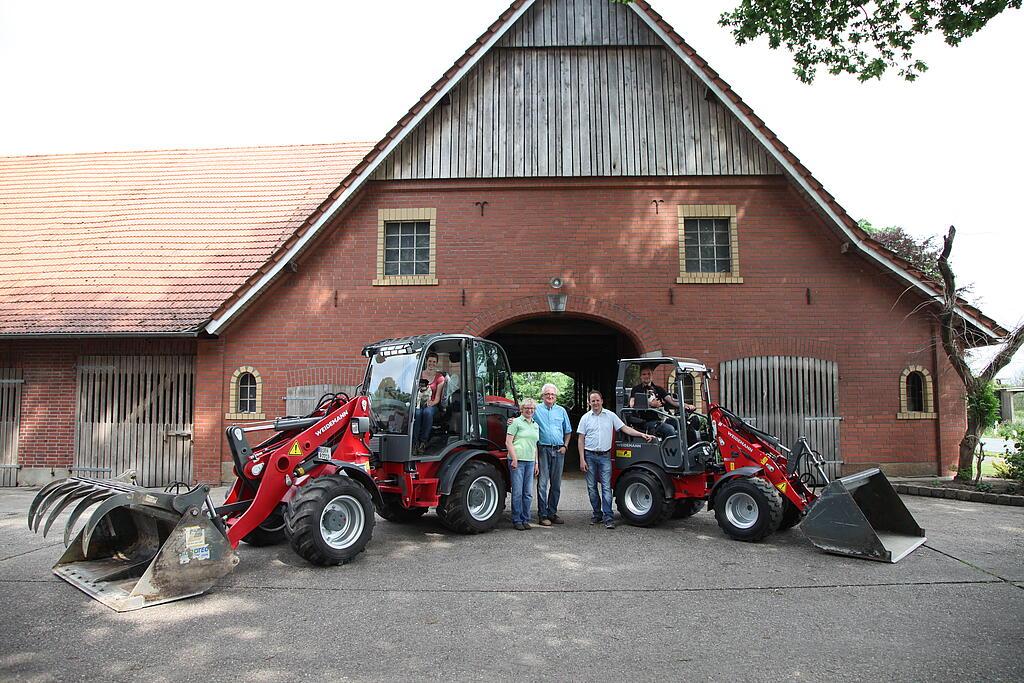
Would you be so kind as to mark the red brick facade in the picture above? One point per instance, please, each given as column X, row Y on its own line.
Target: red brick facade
column 619, row 259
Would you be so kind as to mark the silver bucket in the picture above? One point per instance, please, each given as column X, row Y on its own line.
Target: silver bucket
column 139, row 547
column 862, row 516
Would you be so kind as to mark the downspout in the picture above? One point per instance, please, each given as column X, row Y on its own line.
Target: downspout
column 938, row 404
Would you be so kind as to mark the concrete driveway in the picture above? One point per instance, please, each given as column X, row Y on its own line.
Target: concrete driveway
column 571, row 603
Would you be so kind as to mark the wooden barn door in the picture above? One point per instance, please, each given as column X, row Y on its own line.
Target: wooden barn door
column 789, row 397
column 10, row 417
column 135, row 412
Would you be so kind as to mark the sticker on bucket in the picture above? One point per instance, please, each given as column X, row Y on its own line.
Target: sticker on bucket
column 195, row 537
column 202, row 553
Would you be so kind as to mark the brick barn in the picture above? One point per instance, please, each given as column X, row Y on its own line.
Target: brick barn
column 580, row 186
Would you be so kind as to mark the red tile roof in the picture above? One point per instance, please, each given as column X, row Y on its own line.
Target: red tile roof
column 149, row 242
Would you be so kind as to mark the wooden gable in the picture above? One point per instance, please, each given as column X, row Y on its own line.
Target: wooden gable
column 578, row 88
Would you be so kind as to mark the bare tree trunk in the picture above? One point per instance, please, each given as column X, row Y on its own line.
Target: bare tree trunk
column 968, row 447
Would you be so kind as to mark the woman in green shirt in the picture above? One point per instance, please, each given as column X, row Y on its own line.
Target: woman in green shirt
column 521, row 441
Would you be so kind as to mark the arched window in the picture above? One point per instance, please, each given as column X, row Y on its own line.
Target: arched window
column 688, row 385
column 246, row 393
column 246, row 400
column 690, row 388
column 916, row 394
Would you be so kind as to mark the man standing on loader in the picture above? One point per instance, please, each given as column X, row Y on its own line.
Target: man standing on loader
column 555, row 430
column 596, row 430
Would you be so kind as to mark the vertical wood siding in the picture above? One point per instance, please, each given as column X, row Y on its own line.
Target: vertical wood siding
column 10, row 418
column 788, row 397
column 578, row 88
column 135, row 412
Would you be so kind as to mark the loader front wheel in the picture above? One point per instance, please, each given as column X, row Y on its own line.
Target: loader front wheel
column 393, row 511
column 687, row 507
column 791, row 516
column 476, row 501
column 330, row 520
column 748, row 509
column 271, row 532
column 640, row 498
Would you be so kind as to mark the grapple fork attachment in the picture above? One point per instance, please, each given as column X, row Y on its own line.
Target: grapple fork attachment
column 862, row 516
column 139, row 547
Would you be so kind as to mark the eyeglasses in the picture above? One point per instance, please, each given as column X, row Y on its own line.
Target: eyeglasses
column 529, row 409
column 548, row 394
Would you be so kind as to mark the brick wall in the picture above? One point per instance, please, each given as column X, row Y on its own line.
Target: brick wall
column 619, row 260
column 47, row 431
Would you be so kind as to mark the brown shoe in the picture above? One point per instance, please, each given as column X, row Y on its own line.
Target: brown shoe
column 555, row 519
column 545, row 522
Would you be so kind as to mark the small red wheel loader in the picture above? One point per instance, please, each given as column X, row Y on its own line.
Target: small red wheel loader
column 316, row 481
column 754, row 484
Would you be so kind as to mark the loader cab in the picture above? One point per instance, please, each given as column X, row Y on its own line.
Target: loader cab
column 473, row 385
column 689, row 449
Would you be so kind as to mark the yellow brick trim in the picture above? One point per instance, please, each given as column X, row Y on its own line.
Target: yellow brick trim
column 929, row 400
column 710, row 211
column 386, row 215
column 233, row 393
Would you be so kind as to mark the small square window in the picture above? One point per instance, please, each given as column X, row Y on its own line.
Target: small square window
column 406, row 247
column 708, row 244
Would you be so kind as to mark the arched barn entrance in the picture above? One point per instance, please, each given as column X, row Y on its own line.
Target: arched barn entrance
column 584, row 349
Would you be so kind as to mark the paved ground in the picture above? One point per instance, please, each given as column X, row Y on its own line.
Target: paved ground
column 571, row 603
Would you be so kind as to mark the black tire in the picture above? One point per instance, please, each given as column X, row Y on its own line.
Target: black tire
column 325, row 504
column 271, row 532
column 640, row 497
column 748, row 509
column 687, row 507
column 791, row 515
column 392, row 509
column 476, row 501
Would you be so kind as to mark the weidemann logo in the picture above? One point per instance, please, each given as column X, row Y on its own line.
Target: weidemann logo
column 331, row 423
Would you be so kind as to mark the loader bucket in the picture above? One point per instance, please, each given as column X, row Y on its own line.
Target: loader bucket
column 138, row 547
column 861, row 515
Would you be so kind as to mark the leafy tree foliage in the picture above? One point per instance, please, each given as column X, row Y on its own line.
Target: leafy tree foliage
column 864, row 38
column 923, row 254
column 529, row 385
column 861, row 37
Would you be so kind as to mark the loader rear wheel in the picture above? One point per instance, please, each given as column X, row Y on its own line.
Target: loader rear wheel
column 687, row 507
column 392, row 510
column 791, row 516
column 330, row 520
column 271, row 532
column 748, row 509
column 640, row 497
column 476, row 501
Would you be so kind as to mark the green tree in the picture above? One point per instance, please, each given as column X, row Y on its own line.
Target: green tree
column 956, row 339
column 923, row 254
column 529, row 385
column 864, row 38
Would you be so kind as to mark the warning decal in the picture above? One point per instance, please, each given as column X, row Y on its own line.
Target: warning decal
column 623, row 453
column 295, row 449
column 781, row 486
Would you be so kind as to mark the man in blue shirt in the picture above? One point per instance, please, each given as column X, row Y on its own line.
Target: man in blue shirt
column 555, row 430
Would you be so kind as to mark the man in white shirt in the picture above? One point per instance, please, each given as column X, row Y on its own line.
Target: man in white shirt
column 597, row 429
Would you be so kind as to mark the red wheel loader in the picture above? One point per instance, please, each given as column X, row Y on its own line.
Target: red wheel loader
column 754, row 484
column 316, row 481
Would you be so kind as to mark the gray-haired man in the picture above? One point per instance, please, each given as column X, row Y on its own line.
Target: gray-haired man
column 555, row 430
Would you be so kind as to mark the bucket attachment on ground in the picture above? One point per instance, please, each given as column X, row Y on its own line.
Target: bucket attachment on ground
column 139, row 547
column 861, row 515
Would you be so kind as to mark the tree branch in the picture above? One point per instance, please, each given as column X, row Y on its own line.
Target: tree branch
column 951, row 327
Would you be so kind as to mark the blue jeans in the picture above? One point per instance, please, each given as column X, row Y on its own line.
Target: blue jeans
column 424, row 423
column 522, row 490
column 551, row 464
column 599, row 466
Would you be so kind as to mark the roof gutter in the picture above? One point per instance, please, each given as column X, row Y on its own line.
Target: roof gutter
column 218, row 324
column 796, row 176
column 101, row 335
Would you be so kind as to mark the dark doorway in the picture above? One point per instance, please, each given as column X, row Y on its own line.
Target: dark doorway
column 584, row 349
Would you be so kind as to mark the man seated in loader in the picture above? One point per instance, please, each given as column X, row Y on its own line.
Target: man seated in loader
column 657, row 397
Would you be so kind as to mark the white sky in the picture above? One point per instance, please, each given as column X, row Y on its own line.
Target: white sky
column 99, row 76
